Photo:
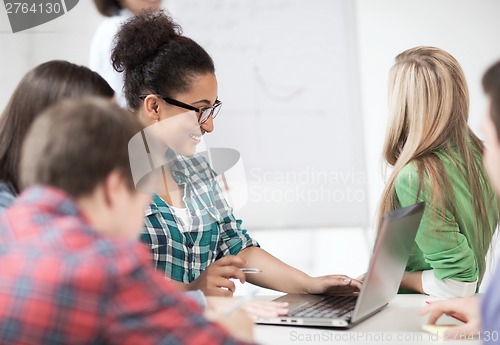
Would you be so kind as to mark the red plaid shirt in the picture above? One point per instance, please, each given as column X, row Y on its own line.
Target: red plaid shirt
column 61, row 282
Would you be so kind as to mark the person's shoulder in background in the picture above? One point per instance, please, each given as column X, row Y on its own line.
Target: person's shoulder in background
column 7, row 196
column 103, row 39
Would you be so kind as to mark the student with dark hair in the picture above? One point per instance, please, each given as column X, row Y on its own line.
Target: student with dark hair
column 40, row 88
column 191, row 230
column 116, row 13
column 72, row 269
column 481, row 314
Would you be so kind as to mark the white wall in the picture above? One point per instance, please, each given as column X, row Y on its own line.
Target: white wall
column 67, row 37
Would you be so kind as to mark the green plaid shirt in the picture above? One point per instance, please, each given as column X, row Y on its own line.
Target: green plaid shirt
column 215, row 232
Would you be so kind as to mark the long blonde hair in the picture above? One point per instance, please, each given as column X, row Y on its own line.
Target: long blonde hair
column 428, row 111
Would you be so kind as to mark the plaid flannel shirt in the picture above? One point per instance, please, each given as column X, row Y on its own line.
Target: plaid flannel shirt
column 64, row 283
column 215, row 231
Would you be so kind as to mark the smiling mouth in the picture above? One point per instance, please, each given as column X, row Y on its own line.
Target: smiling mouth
column 196, row 138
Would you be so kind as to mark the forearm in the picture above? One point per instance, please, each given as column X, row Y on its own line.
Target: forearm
column 425, row 282
column 446, row 287
column 275, row 273
column 412, row 281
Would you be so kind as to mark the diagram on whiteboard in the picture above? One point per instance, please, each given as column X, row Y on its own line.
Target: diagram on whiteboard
column 275, row 89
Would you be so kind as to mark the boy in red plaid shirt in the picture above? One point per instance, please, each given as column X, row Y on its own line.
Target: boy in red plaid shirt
column 72, row 271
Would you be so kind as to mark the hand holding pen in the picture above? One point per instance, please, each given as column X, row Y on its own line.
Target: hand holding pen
column 215, row 280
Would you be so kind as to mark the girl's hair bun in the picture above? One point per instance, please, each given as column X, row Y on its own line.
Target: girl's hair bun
column 141, row 37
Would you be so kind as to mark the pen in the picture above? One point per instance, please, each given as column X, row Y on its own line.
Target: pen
column 453, row 315
column 250, row 270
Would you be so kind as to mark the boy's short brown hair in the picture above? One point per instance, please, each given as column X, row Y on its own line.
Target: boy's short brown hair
column 74, row 146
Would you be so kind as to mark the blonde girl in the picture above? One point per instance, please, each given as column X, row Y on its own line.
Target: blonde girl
column 436, row 158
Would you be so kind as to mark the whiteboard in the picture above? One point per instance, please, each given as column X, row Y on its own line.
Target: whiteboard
column 288, row 80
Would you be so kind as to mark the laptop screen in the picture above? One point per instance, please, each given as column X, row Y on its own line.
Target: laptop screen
column 392, row 249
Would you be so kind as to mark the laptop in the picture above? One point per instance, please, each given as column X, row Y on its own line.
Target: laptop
column 381, row 282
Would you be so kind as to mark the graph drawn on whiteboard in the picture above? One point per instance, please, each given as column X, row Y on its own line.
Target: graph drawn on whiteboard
column 275, row 90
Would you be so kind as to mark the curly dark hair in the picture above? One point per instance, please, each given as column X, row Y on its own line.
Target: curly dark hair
column 156, row 57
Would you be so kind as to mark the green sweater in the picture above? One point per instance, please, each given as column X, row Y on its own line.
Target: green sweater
column 451, row 250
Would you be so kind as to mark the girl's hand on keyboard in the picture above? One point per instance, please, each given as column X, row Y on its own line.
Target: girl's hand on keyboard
column 334, row 285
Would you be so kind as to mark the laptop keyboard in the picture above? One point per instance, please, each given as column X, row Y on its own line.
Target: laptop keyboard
column 330, row 307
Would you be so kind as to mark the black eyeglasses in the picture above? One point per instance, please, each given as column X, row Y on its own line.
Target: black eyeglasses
column 203, row 113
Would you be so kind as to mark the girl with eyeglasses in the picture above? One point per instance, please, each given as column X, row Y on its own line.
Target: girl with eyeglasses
column 191, row 230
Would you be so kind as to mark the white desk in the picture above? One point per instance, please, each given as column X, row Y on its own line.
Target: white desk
column 398, row 323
